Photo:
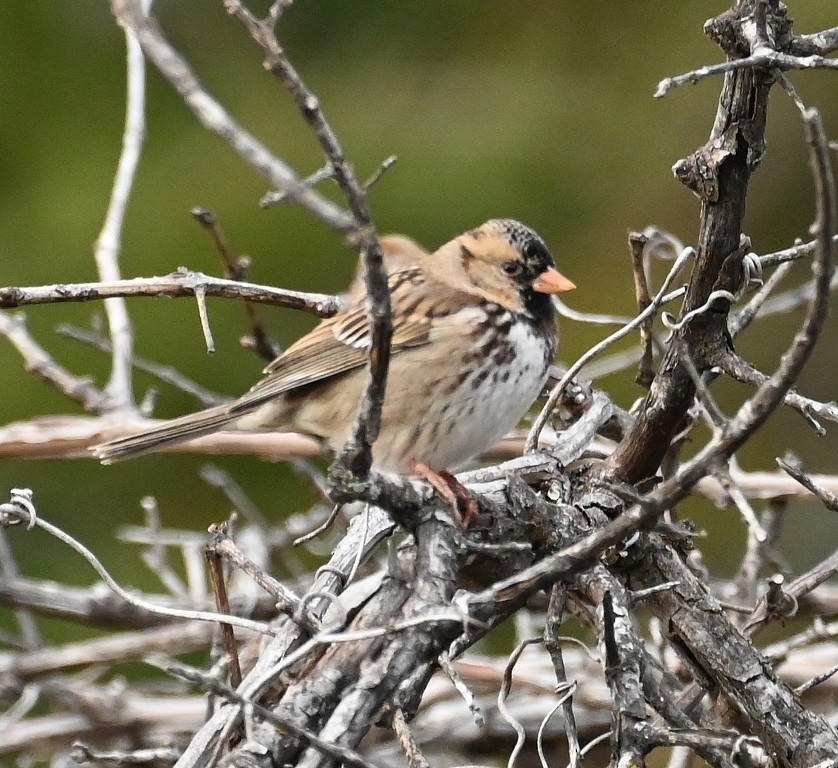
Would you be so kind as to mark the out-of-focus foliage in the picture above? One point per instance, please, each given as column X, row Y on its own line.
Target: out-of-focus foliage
column 542, row 111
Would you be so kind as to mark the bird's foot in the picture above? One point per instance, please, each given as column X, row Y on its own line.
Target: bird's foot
column 463, row 504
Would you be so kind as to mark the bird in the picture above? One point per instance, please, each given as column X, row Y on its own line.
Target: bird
column 474, row 334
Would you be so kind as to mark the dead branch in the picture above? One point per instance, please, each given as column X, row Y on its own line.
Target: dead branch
column 178, row 284
column 588, row 515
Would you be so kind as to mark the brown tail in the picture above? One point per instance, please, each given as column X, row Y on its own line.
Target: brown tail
column 168, row 433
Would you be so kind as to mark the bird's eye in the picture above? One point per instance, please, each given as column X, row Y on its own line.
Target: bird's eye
column 513, row 268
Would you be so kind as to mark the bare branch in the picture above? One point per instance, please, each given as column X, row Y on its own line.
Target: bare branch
column 415, row 758
column 165, row 373
column 792, row 466
column 790, row 254
column 214, row 117
column 805, row 52
column 236, row 269
column 737, row 368
column 637, row 244
column 360, row 640
column 742, row 319
column 753, row 413
column 346, row 756
column 802, row 585
column 20, row 509
column 356, row 455
column 106, row 251
column 72, row 437
column 175, row 285
column 660, row 299
column 183, row 637
column 719, row 173
column 763, row 60
column 822, row 43
column 37, row 359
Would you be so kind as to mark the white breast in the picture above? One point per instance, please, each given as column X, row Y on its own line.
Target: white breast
column 487, row 407
column 452, row 409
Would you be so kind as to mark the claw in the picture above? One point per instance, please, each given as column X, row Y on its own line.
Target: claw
column 463, row 504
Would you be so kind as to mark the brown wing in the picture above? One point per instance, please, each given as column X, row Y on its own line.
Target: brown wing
column 341, row 343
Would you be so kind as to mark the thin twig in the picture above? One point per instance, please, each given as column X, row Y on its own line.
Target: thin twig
column 745, row 316
column 745, row 509
column 795, row 252
column 816, row 680
column 552, row 642
column 85, row 753
column 286, row 601
column 740, row 370
column 284, row 196
column 21, row 509
column 175, row 285
column 541, row 420
column 225, row 482
column 794, row 298
column 591, row 318
column 593, row 743
column 222, row 603
column 356, row 455
column 201, row 299
column 335, row 751
column 637, row 244
column 154, row 555
column 765, row 59
column 566, row 692
column 792, row 466
column 36, row 359
column 319, row 529
column 215, row 118
column 165, row 373
column 236, row 269
column 503, row 694
column 462, row 689
column 119, row 389
column 385, row 166
column 415, row 758
column 30, row 635
column 115, row 648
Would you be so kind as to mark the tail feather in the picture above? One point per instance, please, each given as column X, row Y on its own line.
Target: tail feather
column 169, row 433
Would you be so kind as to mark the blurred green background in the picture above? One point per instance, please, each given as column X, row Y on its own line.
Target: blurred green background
column 540, row 111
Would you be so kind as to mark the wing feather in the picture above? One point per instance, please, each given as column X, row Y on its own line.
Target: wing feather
column 341, row 343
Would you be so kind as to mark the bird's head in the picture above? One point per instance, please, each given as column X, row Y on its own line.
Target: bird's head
column 506, row 262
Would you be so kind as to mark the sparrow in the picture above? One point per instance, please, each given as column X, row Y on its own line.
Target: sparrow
column 474, row 333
